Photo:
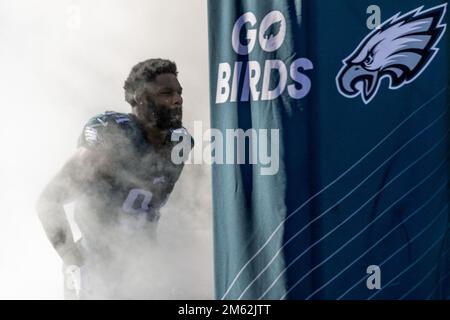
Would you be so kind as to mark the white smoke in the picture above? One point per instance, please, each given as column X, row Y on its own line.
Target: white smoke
column 61, row 62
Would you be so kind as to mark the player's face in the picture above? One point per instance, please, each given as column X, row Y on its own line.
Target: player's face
column 163, row 102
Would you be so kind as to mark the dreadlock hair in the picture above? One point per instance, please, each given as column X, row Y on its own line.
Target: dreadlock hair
column 144, row 72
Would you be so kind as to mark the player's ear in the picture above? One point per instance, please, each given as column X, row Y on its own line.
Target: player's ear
column 142, row 94
column 138, row 97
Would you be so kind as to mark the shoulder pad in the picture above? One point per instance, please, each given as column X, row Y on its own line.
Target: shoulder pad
column 108, row 117
column 99, row 129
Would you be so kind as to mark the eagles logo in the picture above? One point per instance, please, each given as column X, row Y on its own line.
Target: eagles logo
column 400, row 49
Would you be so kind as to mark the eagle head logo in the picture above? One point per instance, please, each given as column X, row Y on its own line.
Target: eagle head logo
column 400, row 49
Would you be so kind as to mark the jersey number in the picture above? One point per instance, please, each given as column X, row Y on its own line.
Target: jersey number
column 130, row 205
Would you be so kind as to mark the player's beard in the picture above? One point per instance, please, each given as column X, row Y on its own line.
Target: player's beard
column 164, row 118
column 168, row 118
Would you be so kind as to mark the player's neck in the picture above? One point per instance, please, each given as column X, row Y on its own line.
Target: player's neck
column 155, row 136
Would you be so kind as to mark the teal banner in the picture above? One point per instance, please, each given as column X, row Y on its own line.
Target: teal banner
column 330, row 149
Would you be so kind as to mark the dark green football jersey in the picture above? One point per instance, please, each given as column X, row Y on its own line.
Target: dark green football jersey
column 126, row 199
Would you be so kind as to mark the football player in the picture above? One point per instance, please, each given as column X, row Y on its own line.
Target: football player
column 119, row 177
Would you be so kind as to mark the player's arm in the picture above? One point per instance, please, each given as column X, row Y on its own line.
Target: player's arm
column 69, row 182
